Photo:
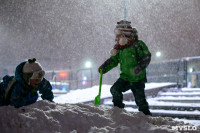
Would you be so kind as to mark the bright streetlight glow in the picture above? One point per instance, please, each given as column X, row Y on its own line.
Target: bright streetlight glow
column 85, row 78
column 88, row 64
column 158, row 54
column 191, row 70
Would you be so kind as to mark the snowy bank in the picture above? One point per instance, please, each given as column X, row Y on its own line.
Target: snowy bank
column 46, row 117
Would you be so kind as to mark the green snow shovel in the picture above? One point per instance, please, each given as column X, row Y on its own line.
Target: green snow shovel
column 97, row 98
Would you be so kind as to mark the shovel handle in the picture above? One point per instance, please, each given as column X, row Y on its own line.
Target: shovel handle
column 101, row 76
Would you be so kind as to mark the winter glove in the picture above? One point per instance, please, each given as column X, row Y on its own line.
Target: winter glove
column 137, row 70
column 103, row 69
column 109, row 62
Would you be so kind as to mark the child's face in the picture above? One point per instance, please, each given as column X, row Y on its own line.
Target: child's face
column 118, row 37
column 34, row 82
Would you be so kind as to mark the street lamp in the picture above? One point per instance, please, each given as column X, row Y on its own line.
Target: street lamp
column 88, row 64
column 158, row 54
column 191, row 70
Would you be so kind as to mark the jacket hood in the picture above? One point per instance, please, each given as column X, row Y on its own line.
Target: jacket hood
column 19, row 73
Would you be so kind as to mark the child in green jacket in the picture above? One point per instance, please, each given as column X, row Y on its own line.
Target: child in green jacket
column 133, row 56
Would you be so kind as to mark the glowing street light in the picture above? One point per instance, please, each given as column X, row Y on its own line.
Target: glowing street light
column 88, row 64
column 158, row 54
column 191, row 70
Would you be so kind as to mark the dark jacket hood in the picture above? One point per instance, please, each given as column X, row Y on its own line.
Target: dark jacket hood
column 19, row 74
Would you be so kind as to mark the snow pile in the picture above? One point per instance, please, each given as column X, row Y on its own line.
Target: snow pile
column 46, row 117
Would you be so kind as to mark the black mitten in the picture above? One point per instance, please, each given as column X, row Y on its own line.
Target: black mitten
column 103, row 69
column 137, row 70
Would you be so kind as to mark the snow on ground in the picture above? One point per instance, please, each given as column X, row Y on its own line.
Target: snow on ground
column 46, row 117
column 73, row 116
column 179, row 93
column 190, row 89
column 84, row 95
column 197, row 113
column 153, row 102
column 171, row 98
column 193, row 122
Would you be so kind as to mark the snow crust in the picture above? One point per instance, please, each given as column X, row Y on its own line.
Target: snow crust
column 47, row 117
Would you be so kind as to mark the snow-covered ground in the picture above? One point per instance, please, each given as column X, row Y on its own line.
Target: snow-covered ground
column 89, row 94
column 84, row 95
column 70, row 115
column 46, row 117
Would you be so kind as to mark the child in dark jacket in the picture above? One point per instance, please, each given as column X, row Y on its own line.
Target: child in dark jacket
column 21, row 89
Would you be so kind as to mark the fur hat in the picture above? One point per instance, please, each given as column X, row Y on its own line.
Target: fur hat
column 32, row 70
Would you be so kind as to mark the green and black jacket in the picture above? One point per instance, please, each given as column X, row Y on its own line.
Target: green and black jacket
column 136, row 54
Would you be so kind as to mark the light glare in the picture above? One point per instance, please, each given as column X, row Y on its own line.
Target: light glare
column 158, row 54
column 88, row 64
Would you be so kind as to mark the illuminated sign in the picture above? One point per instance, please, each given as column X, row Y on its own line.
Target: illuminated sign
column 63, row 74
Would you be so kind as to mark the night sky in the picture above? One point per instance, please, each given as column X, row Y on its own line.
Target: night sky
column 63, row 34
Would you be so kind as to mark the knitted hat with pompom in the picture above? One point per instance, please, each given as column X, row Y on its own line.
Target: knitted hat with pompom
column 124, row 27
column 32, row 70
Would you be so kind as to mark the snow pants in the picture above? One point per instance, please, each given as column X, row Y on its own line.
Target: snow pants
column 2, row 92
column 138, row 91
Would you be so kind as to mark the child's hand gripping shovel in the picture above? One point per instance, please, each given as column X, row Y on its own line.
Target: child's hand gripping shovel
column 97, row 98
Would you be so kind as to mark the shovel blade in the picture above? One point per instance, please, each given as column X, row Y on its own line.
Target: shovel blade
column 97, row 100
